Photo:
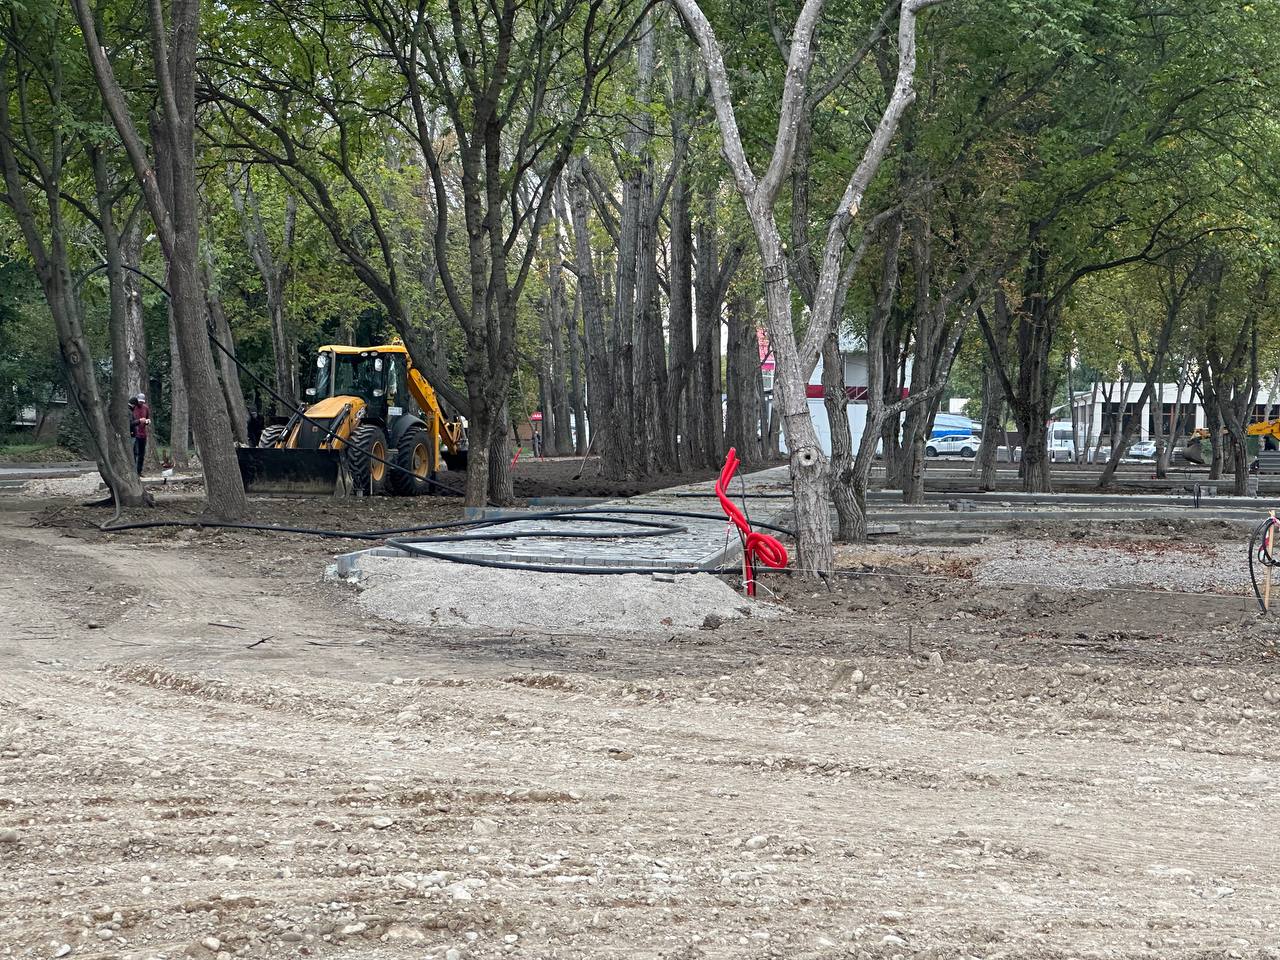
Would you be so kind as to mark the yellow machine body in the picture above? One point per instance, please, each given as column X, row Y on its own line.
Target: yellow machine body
column 375, row 420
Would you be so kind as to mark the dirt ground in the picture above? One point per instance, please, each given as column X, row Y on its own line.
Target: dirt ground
column 207, row 750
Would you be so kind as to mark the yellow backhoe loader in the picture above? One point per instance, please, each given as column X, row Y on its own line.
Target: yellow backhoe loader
column 1265, row 428
column 374, row 425
column 1269, row 430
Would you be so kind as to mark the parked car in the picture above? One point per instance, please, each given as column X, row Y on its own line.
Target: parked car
column 965, row 446
column 1143, row 450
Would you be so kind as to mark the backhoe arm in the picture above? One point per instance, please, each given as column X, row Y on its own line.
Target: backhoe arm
column 1268, row 428
column 441, row 430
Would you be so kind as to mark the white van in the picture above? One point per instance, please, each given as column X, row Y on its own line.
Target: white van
column 1062, row 442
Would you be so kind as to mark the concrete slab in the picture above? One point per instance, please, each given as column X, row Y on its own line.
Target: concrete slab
column 703, row 543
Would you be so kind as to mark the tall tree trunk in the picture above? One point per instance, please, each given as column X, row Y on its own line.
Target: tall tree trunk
column 712, row 277
column 137, row 378
column 606, row 434
column 171, row 194
column 273, row 270
column 113, row 256
column 500, row 481
column 46, row 242
column 558, row 321
column 623, row 339
column 229, row 372
column 680, row 269
column 546, row 374
column 992, row 419
column 1108, row 391
column 179, row 417
column 576, row 398
column 1071, row 405
column 850, row 520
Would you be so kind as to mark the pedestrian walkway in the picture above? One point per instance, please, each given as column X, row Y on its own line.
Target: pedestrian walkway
column 701, row 543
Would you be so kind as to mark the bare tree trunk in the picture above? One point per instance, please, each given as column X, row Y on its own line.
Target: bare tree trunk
column 575, row 380
column 558, row 320
column 680, row 268
column 712, row 275
column 1150, row 371
column 992, row 419
column 1157, row 427
column 229, row 372
column 137, row 380
column 273, row 270
column 850, row 519
column 500, row 481
column 45, row 240
column 1118, row 425
column 1175, row 423
column 179, row 416
column 743, row 426
column 175, row 212
column 796, row 357
column 606, row 435
column 117, row 289
column 546, row 373
column 1071, row 405
column 1089, row 423
column 1108, row 391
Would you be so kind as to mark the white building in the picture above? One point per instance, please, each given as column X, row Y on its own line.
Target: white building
column 1102, row 412
column 854, row 355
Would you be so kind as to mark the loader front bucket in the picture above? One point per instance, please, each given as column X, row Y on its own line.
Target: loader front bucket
column 1193, row 452
column 289, row 472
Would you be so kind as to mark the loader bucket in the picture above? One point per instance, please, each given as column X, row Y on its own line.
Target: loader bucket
column 289, row 472
column 1192, row 452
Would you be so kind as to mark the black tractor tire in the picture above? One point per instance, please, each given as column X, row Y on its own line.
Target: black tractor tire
column 272, row 435
column 456, row 462
column 364, row 453
column 413, row 457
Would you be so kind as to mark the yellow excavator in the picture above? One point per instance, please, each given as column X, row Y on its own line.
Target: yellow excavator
column 373, row 425
column 1264, row 428
column 1267, row 429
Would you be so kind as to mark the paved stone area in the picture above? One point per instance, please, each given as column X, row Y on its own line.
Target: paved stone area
column 701, row 543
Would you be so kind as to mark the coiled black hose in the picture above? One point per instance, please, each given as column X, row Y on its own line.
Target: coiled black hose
column 1260, row 554
column 394, row 537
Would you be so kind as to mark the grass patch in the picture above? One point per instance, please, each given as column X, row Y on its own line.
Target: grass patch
column 36, row 453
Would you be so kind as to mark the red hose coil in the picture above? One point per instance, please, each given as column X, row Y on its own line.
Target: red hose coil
column 756, row 546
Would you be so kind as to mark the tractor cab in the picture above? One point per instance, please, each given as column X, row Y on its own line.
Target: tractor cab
column 376, row 377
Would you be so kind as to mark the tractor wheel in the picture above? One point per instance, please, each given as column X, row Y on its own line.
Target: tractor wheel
column 272, row 435
column 413, row 457
column 365, row 453
column 456, row 462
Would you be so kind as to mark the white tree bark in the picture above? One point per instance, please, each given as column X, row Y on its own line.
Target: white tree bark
column 796, row 358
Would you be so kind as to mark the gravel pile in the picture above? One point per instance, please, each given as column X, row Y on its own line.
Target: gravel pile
column 1198, row 568
column 86, row 484
column 438, row 593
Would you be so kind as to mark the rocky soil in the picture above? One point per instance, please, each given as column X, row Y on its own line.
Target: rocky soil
column 206, row 751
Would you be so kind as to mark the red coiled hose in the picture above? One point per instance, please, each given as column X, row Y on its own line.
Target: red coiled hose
column 769, row 550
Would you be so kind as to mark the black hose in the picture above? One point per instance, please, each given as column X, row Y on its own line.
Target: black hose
column 1259, row 549
column 619, row 515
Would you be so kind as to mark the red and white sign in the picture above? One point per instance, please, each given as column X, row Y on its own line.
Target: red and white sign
column 766, row 351
column 536, row 416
